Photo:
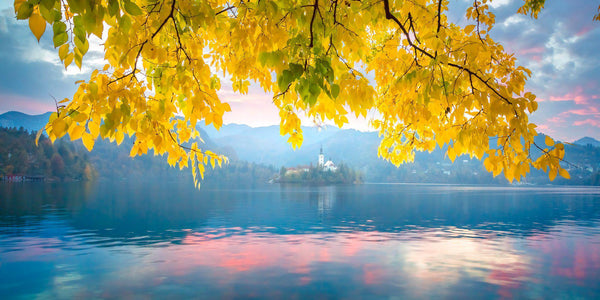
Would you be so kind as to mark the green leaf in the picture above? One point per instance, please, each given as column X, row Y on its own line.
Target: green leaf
column 314, row 91
column 113, row 7
column 56, row 15
column 59, row 27
column 125, row 109
column 131, row 8
column 48, row 4
column 79, row 28
column 284, row 80
column 89, row 21
column 46, row 14
column 83, row 46
column 263, row 57
column 296, row 70
column 302, row 89
column 24, row 11
column 60, row 39
column 78, row 59
column 125, row 23
column 335, row 90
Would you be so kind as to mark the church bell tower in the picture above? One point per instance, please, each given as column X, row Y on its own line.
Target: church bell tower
column 321, row 158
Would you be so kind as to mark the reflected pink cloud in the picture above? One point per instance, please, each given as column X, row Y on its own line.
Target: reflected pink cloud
column 420, row 264
column 576, row 258
column 33, row 249
column 578, row 263
column 373, row 274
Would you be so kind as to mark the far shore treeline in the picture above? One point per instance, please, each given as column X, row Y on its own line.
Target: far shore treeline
column 257, row 156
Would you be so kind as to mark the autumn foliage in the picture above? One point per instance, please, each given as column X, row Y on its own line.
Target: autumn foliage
column 435, row 83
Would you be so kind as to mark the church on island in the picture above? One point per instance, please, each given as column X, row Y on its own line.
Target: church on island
column 328, row 166
column 322, row 165
column 325, row 172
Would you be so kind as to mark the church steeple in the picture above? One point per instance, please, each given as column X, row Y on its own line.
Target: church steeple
column 321, row 158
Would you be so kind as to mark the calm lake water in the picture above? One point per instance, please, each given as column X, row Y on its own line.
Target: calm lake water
column 102, row 240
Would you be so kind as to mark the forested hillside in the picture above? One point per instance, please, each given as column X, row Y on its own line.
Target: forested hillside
column 66, row 161
column 62, row 160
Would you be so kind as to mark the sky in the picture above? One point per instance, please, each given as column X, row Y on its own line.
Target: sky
column 560, row 48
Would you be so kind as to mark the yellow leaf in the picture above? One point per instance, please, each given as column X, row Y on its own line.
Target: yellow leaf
column 37, row 24
column 76, row 131
column 469, row 28
column 552, row 174
column 58, row 127
column 549, row 141
column 63, row 51
column 38, row 135
column 564, row 173
column 88, row 141
column 17, row 4
column 68, row 59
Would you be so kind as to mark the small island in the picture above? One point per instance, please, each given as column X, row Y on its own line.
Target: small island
column 326, row 172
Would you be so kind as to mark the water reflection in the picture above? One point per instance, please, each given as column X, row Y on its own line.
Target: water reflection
column 327, row 242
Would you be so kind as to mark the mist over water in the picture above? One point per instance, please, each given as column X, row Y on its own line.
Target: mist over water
column 367, row 241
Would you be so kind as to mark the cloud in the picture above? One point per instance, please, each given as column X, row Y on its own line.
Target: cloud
column 592, row 122
column 587, row 111
column 499, row 3
column 514, row 20
column 578, row 95
column 34, row 105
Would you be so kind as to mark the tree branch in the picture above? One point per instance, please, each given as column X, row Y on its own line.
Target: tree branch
column 390, row 16
column 312, row 21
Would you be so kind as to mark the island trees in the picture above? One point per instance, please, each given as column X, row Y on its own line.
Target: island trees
column 435, row 83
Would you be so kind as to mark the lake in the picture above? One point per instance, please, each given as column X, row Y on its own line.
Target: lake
column 168, row 240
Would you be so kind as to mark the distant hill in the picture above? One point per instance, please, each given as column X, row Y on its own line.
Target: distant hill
column 265, row 146
column 15, row 119
column 587, row 141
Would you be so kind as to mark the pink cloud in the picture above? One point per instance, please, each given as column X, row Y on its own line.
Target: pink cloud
column 583, row 31
column 26, row 104
column 546, row 129
column 254, row 109
column 588, row 111
column 590, row 122
column 536, row 58
column 556, row 120
column 577, row 95
column 533, row 50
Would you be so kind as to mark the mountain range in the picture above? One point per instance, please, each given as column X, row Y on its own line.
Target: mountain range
column 265, row 145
